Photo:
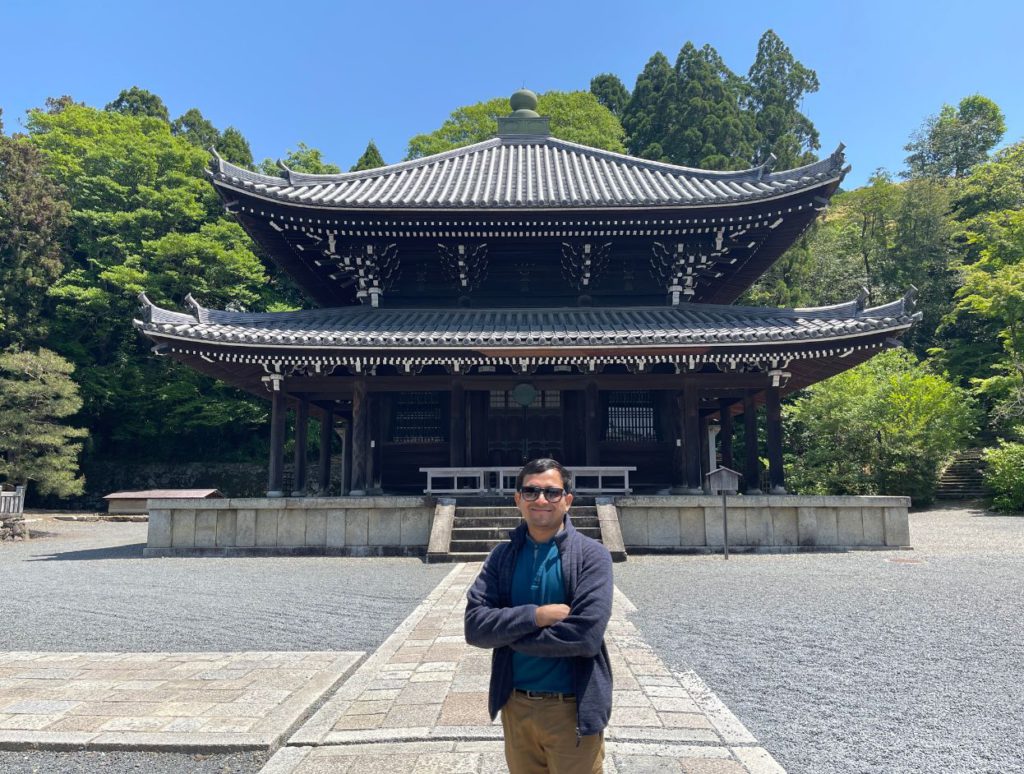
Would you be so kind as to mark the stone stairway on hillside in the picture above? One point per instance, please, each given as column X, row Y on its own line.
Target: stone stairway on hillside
column 962, row 479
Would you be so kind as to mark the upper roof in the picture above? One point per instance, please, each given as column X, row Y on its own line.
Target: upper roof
column 366, row 328
column 515, row 170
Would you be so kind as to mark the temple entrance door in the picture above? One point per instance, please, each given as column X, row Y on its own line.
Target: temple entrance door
column 517, row 433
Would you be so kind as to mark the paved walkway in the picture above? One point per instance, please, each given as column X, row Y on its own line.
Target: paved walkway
column 417, row 704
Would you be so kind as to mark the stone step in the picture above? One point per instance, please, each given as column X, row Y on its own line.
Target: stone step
column 497, row 535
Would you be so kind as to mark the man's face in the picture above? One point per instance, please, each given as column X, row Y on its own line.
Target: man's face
column 542, row 516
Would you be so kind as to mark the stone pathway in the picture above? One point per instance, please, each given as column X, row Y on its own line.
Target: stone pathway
column 197, row 702
column 419, row 704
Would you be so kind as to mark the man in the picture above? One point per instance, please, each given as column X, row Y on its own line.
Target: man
column 542, row 601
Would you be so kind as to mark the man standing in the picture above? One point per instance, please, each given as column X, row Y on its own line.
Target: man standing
column 542, row 602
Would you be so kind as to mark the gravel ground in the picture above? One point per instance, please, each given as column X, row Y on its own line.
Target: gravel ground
column 859, row 662
column 86, row 587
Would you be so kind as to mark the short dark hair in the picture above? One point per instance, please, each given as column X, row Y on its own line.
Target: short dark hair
column 543, row 465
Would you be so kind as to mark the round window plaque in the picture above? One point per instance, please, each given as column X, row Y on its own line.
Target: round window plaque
column 524, row 394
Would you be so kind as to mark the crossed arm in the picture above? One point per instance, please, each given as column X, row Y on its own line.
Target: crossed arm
column 549, row 630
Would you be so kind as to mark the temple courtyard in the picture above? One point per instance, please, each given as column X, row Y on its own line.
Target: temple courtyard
column 866, row 661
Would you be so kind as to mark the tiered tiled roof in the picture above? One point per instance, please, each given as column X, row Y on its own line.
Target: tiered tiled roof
column 539, row 172
column 365, row 328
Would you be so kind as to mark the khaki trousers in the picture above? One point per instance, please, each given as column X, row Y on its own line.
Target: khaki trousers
column 540, row 737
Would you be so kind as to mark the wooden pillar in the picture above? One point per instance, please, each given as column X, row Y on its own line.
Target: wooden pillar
column 360, row 439
column 725, row 434
column 373, row 443
column 301, row 438
column 706, row 449
column 751, row 475
column 326, row 437
column 691, row 440
column 346, row 457
column 278, row 411
column 457, row 426
column 593, row 424
column 776, row 476
column 478, row 405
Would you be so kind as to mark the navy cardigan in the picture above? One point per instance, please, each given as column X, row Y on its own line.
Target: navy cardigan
column 492, row 622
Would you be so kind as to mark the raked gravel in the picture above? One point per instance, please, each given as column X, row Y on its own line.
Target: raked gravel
column 866, row 661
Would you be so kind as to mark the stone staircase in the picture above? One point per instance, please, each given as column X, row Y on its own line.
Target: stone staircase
column 467, row 531
column 962, row 478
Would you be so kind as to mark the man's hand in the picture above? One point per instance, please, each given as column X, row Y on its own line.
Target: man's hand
column 550, row 614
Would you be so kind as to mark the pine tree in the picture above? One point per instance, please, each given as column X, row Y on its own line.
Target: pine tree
column 36, row 394
column 139, row 102
column 371, row 158
column 777, row 85
column 610, row 92
column 649, row 115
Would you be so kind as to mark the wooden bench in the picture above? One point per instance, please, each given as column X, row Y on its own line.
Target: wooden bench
column 12, row 503
column 502, row 480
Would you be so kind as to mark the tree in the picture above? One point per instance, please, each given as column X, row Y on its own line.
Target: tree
column 650, row 113
column 884, row 427
column 371, row 158
column 708, row 128
column 200, row 132
column 143, row 216
column 575, row 116
column 139, row 102
column 777, row 85
column 955, row 140
column 36, row 395
column 610, row 92
column 33, row 216
column 302, row 159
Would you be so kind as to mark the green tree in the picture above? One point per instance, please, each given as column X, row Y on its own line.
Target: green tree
column 885, row 427
column 233, row 146
column 33, row 216
column 371, row 158
column 777, row 86
column 709, row 130
column 196, row 129
column 143, row 216
column 575, row 116
column 955, row 140
column 36, row 395
column 610, row 92
column 139, row 102
column 302, row 159
column 650, row 113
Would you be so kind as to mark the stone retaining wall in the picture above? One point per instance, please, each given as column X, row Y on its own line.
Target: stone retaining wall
column 334, row 526
column 688, row 524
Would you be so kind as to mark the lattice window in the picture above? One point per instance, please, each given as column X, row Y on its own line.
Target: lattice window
column 499, row 399
column 630, row 416
column 418, row 418
column 545, row 399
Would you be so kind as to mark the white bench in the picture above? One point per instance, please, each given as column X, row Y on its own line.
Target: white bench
column 502, row 480
column 13, row 502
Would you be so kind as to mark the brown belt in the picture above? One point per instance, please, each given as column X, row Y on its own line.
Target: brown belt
column 545, row 694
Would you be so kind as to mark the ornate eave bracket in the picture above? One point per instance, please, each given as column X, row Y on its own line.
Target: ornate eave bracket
column 679, row 266
column 582, row 262
column 372, row 267
column 465, row 264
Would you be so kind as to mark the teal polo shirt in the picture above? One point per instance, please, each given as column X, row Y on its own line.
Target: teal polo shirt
column 538, row 580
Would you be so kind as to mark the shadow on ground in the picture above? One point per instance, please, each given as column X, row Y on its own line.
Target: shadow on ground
column 131, row 551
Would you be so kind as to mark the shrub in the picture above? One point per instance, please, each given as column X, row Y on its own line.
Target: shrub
column 884, row 427
column 1004, row 474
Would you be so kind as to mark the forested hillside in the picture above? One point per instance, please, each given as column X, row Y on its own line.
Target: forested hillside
column 98, row 204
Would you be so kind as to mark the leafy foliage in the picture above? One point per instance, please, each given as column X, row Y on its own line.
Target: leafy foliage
column 955, row 140
column 230, row 143
column 139, row 102
column 777, row 85
column 33, row 216
column 302, row 159
column 1004, row 475
column 884, row 427
column 36, row 395
column 575, row 116
column 371, row 158
column 610, row 92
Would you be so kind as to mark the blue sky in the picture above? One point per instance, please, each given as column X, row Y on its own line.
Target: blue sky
column 335, row 74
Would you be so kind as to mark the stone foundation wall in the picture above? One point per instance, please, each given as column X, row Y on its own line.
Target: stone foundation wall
column 762, row 523
column 334, row 526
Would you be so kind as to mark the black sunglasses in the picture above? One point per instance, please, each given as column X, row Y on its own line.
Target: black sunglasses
column 551, row 493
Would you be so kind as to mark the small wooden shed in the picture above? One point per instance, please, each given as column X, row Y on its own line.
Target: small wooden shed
column 135, row 502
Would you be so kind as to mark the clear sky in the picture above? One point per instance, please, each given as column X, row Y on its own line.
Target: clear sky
column 335, row 74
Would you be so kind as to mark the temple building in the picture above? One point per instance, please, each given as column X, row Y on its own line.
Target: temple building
column 527, row 296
